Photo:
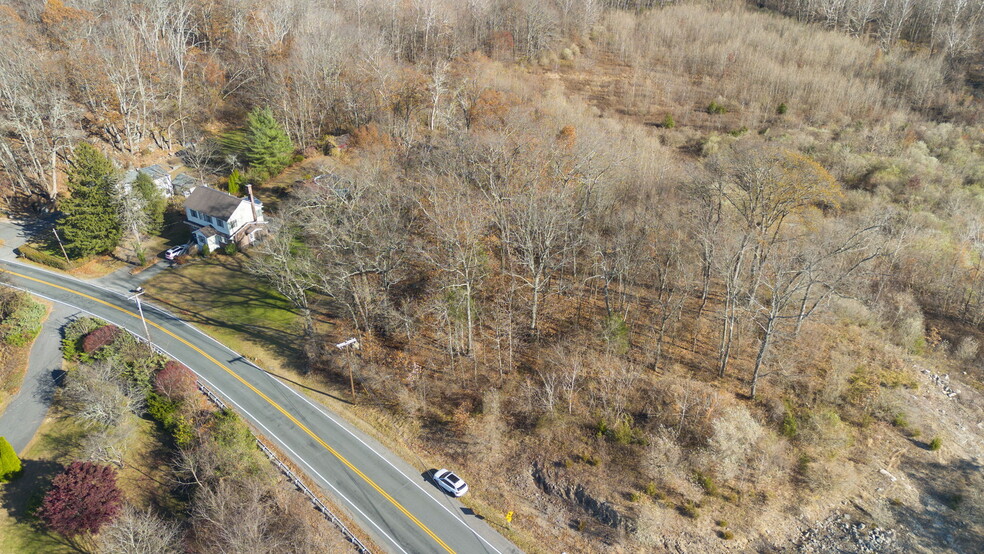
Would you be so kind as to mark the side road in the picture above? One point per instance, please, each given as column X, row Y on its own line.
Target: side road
column 390, row 499
column 27, row 410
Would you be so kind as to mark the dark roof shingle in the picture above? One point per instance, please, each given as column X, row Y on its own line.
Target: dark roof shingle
column 212, row 202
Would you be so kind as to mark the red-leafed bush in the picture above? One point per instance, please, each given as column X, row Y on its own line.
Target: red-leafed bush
column 99, row 338
column 82, row 499
column 176, row 382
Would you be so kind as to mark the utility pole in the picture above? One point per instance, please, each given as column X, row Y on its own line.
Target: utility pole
column 139, row 291
column 55, row 231
column 351, row 344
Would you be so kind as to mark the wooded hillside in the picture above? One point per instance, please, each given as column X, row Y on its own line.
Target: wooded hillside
column 652, row 274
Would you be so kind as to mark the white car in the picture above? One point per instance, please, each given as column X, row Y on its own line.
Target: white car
column 451, row 483
column 175, row 251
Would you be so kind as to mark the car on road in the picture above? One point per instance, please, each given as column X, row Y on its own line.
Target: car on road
column 175, row 251
column 451, row 483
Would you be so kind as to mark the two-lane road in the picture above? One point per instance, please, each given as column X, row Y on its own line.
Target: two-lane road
column 386, row 496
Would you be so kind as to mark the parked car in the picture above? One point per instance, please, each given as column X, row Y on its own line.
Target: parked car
column 175, row 251
column 451, row 483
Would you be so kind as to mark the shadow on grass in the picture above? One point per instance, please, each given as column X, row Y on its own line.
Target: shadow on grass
column 299, row 385
column 241, row 304
column 21, row 498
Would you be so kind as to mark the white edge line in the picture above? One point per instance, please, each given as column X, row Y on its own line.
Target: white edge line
column 316, row 407
column 407, row 477
column 269, row 433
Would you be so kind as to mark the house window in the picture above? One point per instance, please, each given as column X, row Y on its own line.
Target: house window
column 220, row 224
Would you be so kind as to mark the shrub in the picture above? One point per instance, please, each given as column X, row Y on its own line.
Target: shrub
column 44, row 258
column 634, row 497
column 617, row 333
column 689, row 509
column 176, row 382
column 726, row 535
column 166, row 413
column 790, row 425
column 738, row 132
column 81, row 500
column 668, row 122
column 206, row 250
column 24, row 323
column 706, row 483
column 99, row 338
column 721, row 523
column 73, row 333
column 10, row 464
column 900, row 421
column 716, row 109
column 936, row 444
column 229, row 249
column 651, row 489
column 782, row 109
column 589, row 459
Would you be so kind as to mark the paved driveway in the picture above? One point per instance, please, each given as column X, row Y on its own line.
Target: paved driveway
column 27, row 410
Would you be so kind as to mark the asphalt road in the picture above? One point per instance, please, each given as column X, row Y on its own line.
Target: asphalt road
column 388, row 498
column 25, row 413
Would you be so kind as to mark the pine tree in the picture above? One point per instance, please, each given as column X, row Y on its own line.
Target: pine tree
column 82, row 499
column 235, row 182
column 10, row 464
column 154, row 202
column 90, row 222
column 268, row 148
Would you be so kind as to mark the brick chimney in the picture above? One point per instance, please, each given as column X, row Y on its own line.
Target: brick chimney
column 252, row 201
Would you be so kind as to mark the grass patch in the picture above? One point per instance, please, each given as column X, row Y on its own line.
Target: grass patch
column 222, row 299
column 143, row 482
column 43, row 459
column 13, row 366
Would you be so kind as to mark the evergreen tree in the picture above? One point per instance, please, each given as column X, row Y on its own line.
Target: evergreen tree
column 154, row 202
column 10, row 464
column 90, row 222
column 268, row 148
column 235, row 182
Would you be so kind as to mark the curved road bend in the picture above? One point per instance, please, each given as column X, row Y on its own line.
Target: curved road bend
column 387, row 497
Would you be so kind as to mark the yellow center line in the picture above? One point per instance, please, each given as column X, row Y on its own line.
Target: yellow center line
column 264, row 397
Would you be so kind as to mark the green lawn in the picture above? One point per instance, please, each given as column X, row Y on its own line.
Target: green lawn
column 225, row 301
column 44, row 458
column 143, row 482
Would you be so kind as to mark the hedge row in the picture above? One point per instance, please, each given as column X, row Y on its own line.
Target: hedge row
column 45, row 258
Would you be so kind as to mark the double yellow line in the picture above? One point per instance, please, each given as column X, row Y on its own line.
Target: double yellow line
column 264, row 397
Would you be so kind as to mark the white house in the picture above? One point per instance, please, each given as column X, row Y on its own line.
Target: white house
column 157, row 174
column 218, row 218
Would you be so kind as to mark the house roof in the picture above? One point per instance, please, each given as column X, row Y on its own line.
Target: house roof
column 212, row 202
column 207, row 231
column 183, row 182
column 155, row 171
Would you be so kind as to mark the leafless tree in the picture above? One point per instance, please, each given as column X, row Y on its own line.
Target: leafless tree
column 140, row 532
column 97, row 395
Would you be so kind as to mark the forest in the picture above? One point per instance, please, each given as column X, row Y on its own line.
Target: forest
column 660, row 275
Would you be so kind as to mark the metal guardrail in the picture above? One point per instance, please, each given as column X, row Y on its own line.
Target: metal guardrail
column 291, row 476
column 295, row 480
